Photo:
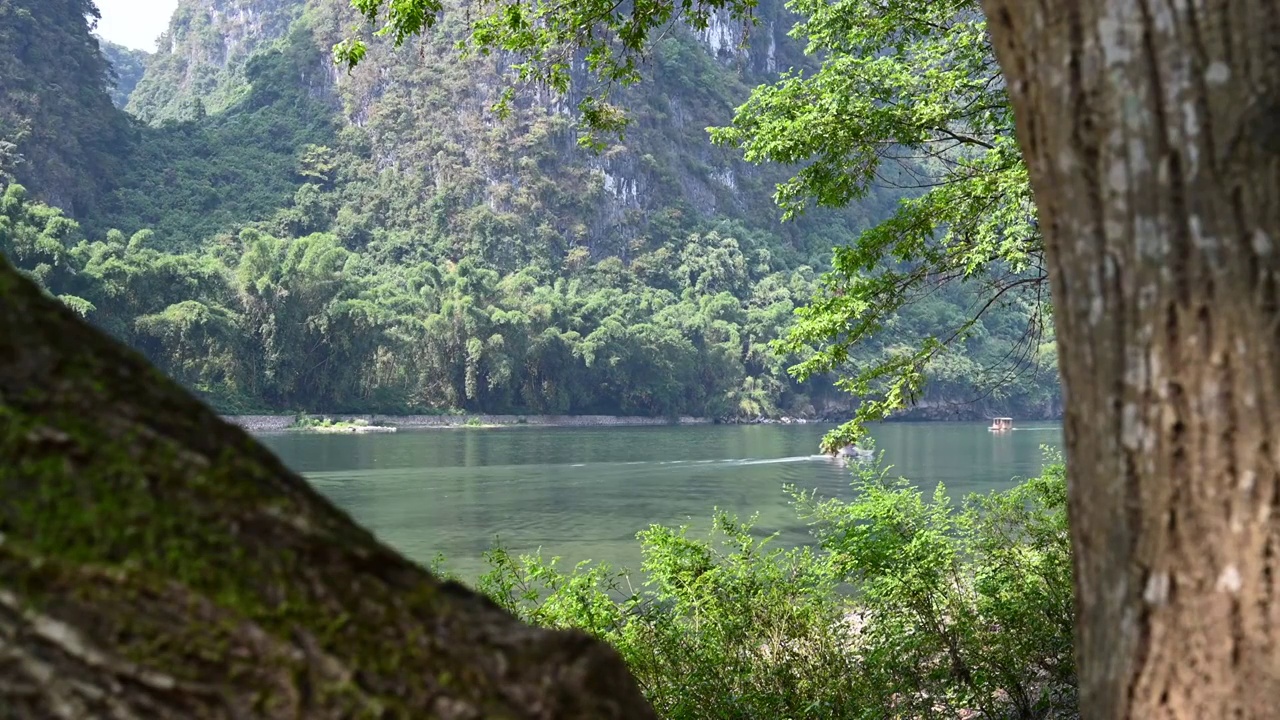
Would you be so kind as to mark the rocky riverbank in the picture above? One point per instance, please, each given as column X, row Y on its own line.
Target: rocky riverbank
column 285, row 423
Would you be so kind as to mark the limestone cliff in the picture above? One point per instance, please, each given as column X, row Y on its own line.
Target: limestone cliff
column 419, row 120
column 204, row 53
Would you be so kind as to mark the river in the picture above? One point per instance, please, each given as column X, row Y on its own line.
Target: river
column 583, row 493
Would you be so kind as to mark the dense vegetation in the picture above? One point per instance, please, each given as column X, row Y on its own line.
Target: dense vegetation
column 279, row 237
column 258, row 320
column 958, row 612
column 59, row 131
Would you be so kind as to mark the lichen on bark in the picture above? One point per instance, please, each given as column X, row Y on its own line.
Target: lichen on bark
column 158, row 562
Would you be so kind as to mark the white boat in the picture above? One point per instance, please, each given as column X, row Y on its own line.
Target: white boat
column 855, row 452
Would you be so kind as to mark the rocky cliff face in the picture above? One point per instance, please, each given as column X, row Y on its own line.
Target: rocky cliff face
column 204, row 53
column 419, row 119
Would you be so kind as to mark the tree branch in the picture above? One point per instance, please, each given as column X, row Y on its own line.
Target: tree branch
column 965, row 139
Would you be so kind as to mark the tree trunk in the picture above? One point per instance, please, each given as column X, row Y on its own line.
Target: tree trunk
column 156, row 562
column 1151, row 130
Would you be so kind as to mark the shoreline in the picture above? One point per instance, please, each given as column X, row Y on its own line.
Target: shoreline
column 372, row 423
column 284, row 423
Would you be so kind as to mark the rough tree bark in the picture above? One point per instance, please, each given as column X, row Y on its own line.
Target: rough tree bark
column 1152, row 132
column 156, row 562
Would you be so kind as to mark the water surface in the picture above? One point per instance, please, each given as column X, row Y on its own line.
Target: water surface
column 583, row 493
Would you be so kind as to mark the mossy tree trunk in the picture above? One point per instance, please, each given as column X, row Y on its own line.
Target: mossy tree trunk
column 1150, row 131
column 157, row 562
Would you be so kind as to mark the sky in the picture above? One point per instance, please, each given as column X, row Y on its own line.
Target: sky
column 135, row 23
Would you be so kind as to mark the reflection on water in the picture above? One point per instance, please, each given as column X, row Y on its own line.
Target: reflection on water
column 583, row 493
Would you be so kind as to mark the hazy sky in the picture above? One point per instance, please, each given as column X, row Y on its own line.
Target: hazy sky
column 135, row 23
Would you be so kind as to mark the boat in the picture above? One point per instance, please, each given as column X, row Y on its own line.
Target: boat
column 1001, row 424
column 856, row 453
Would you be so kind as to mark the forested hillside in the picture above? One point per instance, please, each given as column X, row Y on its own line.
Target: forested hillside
column 127, row 67
column 281, row 235
column 58, row 129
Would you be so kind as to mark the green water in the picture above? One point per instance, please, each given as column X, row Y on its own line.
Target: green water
column 582, row 493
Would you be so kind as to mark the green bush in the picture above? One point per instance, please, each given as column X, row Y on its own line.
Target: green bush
column 960, row 612
column 905, row 607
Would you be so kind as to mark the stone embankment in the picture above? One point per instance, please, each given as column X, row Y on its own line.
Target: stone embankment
column 281, row 423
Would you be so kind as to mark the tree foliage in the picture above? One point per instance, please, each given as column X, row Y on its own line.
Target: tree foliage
column 198, row 173
column 906, row 93
column 426, row 258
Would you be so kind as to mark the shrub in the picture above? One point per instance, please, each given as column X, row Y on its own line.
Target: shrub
column 905, row 607
column 961, row 612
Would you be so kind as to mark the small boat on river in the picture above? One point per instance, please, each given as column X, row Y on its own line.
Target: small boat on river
column 853, row 452
column 1001, row 424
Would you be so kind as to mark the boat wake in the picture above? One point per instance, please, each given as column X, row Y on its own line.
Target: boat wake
column 774, row 461
column 339, row 478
